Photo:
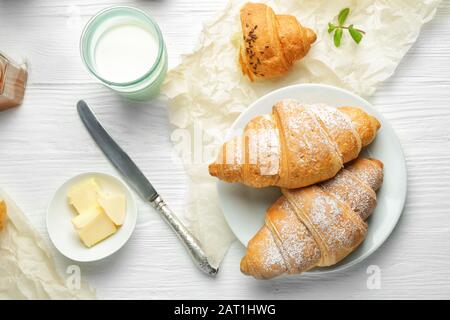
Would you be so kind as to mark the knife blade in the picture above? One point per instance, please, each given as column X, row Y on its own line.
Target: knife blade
column 136, row 179
column 121, row 161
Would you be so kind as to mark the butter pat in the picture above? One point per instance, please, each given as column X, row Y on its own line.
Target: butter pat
column 114, row 206
column 2, row 214
column 99, row 214
column 83, row 196
column 81, row 220
column 93, row 226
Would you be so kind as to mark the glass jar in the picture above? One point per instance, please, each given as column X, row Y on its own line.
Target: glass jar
column 13, row 80
column 124, row 49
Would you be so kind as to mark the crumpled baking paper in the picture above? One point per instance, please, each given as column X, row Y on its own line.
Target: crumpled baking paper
column 207, row 90
column 27, row 269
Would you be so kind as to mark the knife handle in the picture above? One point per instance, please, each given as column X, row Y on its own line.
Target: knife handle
column 190, row 242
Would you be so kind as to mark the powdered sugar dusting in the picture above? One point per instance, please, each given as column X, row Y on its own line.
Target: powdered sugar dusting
column 297, row 242
column 299, row 125
column 367, row 172
column 272, row 256
column 312, row 154
column 264, row 147
column 352, row 191
column 333, row 119
column 332, row 223
column 340, row 128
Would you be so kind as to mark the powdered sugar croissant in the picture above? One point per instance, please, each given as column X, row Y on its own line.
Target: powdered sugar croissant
column 295, row 146
column 317, row 225
column 271, row 43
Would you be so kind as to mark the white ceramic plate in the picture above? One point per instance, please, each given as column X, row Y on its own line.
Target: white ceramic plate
column 60, row 214
column 245, row 207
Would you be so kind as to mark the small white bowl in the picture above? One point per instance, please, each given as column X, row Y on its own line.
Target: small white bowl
column 62, row 232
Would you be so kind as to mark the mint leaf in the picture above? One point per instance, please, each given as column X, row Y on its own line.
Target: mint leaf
column 338, row 29
column 331, row 27
column 356, row 35
column 337, row 37
column 343, row 16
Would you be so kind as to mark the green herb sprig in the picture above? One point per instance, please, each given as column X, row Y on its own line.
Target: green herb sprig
column 356, row 34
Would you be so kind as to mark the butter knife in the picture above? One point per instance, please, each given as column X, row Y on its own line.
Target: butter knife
column 136, row 179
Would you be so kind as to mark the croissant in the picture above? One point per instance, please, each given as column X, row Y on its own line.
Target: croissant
column 2, row 214
column 295, row 146
column 271, row 43
column 315, row 226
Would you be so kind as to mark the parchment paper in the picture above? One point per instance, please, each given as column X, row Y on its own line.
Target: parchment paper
column 27, row 269
column 207, row 90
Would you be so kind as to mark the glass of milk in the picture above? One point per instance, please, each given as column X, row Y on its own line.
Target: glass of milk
column 123, row 48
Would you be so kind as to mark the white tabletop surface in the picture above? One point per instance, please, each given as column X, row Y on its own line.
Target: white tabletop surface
column 43, row 143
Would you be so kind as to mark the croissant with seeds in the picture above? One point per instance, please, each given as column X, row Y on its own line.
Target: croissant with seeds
column 271, row 43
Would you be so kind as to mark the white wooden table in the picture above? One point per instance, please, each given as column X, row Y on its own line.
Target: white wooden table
column 43, row 143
